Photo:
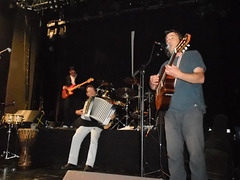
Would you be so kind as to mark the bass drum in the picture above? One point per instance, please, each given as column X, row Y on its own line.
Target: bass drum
column 149, row 108
column 134, row 108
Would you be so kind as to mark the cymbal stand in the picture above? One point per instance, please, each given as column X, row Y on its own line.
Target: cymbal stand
column 126, row 110
column 126, row 116
column 7, row 153
column 142, row 74
column 118, row 121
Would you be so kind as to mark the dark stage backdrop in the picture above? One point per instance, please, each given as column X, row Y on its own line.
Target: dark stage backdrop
column 101, row 48
column 6, row 34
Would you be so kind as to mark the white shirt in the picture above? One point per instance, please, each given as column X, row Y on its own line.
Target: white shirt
column 73, row 79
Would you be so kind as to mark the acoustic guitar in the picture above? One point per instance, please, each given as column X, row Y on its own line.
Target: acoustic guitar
column 69, row 91
column 165, row 88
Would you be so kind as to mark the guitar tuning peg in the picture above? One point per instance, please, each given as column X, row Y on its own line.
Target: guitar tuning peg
column 186, row 48
column 188, row 45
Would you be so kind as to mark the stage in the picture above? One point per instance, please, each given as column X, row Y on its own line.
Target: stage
column 119, row 152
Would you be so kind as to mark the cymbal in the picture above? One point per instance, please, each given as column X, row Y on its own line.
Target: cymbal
column 132, row 80
column 125, row 92
column 104, row 83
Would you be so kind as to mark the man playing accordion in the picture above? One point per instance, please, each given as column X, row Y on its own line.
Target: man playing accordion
column 88, row 125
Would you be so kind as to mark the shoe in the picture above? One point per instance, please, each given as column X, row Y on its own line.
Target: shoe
column 69, row 166
column 88, row 168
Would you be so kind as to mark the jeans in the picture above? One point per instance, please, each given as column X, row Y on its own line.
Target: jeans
column 185, row 127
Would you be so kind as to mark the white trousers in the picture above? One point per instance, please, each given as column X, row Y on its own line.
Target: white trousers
column 77, row 140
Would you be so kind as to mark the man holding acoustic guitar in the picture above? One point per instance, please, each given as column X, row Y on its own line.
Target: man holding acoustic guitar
column 179, row 92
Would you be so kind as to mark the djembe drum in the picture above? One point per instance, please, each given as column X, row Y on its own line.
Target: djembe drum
column 27, row 138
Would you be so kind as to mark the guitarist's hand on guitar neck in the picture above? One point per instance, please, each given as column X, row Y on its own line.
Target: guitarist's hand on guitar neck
column 154, row 81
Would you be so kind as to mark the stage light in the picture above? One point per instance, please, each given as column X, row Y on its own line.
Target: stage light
column 40, row 5
column 62, row 28
column 52, row 29
column 56, row 27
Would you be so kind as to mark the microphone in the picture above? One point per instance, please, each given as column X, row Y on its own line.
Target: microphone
column 7, row 49
column 14, row 105
column 162, row 45
column 158, row 43
column 168, row 46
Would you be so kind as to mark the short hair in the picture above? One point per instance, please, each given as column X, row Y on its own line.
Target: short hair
column 72, row 68
column 175, row 31
column 90, row 86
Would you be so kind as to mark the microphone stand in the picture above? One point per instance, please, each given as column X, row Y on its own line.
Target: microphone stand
column 7, row 49
column 141, row 71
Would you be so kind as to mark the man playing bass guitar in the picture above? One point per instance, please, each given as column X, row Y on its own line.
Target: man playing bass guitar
column 184, row 115
column 74, row 101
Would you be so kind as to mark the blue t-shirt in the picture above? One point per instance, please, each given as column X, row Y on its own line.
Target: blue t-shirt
column 187, row 95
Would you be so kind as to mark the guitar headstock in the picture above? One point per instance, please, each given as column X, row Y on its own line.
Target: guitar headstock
column 90, row 80
column 183, row 44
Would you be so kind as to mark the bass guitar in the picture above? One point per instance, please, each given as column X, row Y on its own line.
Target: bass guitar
column 165, row 88
column 69, row 91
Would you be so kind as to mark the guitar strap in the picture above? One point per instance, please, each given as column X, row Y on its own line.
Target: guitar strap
column 178, row 63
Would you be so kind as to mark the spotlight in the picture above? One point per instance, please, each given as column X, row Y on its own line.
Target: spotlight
column 62, row 27
column 52, row 29
column 56, row 27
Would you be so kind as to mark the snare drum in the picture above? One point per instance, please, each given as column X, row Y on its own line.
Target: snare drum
column 12, row 118
column 8, row 118
column 18, row 119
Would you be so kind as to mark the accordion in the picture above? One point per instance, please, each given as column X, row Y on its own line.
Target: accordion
column 98, row 109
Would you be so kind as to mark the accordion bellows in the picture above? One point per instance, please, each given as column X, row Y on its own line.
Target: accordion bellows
column 98, row 109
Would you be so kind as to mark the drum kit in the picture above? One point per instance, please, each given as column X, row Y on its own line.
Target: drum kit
column 127, row 102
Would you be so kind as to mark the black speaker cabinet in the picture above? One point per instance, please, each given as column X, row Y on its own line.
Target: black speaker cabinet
column 216, row 163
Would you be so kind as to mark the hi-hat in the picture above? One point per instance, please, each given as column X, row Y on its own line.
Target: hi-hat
column 125, row 92
column 132, row 80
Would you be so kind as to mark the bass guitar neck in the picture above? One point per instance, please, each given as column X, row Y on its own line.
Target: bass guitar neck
column 69, row 91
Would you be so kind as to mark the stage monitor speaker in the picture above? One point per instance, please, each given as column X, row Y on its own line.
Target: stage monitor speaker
column 76, row 175
column 29, row 115
column 216, row 163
